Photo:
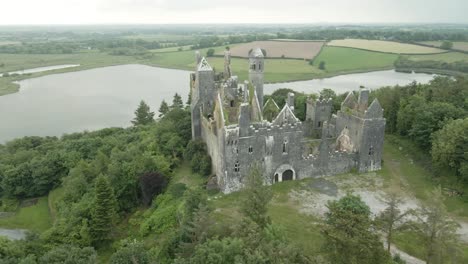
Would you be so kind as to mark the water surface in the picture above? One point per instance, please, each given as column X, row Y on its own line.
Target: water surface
column 350, row 82
column 107, row 97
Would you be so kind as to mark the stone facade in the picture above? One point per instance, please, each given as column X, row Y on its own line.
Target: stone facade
column 228, row 116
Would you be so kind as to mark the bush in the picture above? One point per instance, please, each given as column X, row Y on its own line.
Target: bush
column 210, row 52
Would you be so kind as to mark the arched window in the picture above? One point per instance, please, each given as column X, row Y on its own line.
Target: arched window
column 259, row 66
column 237, row 166
column 285, row 146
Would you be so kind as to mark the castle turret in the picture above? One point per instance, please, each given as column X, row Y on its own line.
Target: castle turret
column 203, row 95
column 372, row 138
column 290, row 101
column 244, row 120
column 363, row 100
column 256, row 68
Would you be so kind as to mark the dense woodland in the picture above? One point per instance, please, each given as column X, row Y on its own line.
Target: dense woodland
column 122, row 178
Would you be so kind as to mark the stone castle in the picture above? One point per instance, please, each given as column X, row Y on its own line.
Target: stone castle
column 241, row 130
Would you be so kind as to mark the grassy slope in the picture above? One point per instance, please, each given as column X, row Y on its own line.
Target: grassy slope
column 459, row 45
column 34, row 217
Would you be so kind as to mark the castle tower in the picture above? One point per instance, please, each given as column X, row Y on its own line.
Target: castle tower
column 227, row 64
column 203, row 94
column 256, row 68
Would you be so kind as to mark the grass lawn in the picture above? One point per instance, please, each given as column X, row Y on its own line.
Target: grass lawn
column 384, row 46
column 171, row 49
column 35, row 217
column 339, row 59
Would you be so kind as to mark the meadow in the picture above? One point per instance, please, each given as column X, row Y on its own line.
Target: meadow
column 384, row 46
column 342, row 60
column 280, row 49
column 443, row 57
column 34, row 217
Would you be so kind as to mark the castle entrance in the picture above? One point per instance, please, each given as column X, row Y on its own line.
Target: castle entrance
column 288, row 175
column 284, row 172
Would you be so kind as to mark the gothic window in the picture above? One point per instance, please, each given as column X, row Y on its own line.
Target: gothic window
column 250, row 150
column 285, row 146
column 371, row 151
column 236, row 166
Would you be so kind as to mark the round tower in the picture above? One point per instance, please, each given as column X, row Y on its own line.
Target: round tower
column 256, row 68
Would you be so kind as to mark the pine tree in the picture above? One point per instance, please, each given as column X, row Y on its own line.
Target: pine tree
column 255, row 206
column 143, row 115
column 103, row 211
column 177, row 101
column 163, row 109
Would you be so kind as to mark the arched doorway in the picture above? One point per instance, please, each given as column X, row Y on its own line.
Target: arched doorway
column 288, row 175
column 284, row 172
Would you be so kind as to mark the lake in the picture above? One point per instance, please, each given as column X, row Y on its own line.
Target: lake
column 107, row 97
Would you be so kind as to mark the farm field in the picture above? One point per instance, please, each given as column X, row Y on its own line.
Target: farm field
column 443, row 57
column 339, row 59
column 384, row 46
column 457, row 45
column 171, row 49
column 280, row 49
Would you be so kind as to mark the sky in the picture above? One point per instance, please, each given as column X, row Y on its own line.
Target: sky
column 14, row 12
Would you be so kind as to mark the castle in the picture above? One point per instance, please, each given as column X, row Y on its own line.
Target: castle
column 241, row 130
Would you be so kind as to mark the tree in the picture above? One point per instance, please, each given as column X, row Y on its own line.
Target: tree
column 450, row 145
column 143, row 115
column 210, row 52
column 348, row 236
column 195, row 231
column 151, row 184
column 437, row 229
column 133, row 252
column 322, row 65
column 69, row 254
column 163, row 109
column 103, row 211
column 446, row 45
column 254, row 206
column 177, row 101
column 391, row 219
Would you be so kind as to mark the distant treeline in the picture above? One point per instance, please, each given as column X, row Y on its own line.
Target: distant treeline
column 409, row 65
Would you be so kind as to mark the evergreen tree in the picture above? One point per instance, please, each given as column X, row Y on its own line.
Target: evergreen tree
column 103, row 211
column 348, row 238
column 177, row 101
column 258, row 196
column 163, row 109
column 143, row 115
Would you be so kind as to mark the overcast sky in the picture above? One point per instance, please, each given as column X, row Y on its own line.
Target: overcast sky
column 233, row 11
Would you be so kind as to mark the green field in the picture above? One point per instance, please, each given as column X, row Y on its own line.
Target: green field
column 35, row 217
column 171, row 49
column 444, row 57
column 339, row 59
column 384, row 46
column 458, row 45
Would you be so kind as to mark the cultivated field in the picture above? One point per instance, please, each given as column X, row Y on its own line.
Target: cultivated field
column 458, row 45
column 280, row 49
column 384, row 46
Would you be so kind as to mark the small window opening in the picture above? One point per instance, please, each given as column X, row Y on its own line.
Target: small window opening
column 236, row 166
column 232, row 103
column 250, row 150
column 319, row 124
column 371, row 151
column 285, row 149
